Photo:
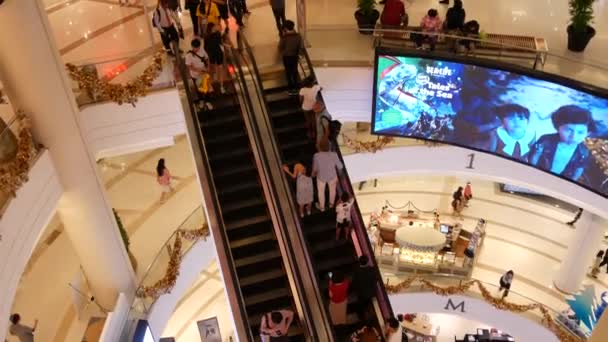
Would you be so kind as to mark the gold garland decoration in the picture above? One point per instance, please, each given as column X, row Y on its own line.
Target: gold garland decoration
column 119, row 93
column 15, row 172
column 367, row 146
column 166, row 284
column 562, row 334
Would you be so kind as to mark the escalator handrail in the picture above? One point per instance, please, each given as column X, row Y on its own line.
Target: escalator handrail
column 324, row 330
column 212, row 204
column 358, row 223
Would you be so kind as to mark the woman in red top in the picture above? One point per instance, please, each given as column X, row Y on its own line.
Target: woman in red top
column 394, row 14
column 338, row 297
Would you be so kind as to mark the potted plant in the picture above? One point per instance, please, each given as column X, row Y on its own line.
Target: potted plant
column 580, row 31
column 366, row 16
column 125, row 239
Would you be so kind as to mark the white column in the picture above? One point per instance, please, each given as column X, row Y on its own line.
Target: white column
column 589, row 230
column 35, row 80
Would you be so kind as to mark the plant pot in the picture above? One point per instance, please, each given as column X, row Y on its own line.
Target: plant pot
column 578, row 41
column 367, row 23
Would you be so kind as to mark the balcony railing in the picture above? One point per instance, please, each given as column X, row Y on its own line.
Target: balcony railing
column 340, row 46
column 120, row 69
column 491, row 293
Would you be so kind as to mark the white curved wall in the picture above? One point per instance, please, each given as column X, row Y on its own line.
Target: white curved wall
column 21, row 226
column 194, row 262
column 451, row 160
column 112, row 130
column 347, row 92
column 522, row 329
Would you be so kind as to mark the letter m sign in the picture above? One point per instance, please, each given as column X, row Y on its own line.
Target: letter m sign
column 450, row 306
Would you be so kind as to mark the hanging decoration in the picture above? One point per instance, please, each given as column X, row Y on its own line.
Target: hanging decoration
column 129, row 92
column 367, row 146
column 500, row 303
column 166, row 284
column 15, row 172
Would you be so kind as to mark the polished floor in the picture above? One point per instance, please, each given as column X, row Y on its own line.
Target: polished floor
column 94, row 31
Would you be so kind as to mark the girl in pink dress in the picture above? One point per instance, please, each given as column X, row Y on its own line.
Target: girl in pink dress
column 164, row 179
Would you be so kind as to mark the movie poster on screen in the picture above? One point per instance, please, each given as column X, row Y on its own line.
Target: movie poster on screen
column 531, row 120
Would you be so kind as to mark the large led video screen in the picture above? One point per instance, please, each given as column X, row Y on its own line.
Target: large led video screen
column 554, row 125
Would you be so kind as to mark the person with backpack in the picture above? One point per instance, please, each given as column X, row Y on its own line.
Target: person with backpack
column 325, row 166
column 192, row 7
column 207, row 13
column 290, row 45
column 274, row 326
column 197, row 62
column 167, row 22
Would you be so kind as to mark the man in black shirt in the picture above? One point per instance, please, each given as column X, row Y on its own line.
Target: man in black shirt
column 364, row 284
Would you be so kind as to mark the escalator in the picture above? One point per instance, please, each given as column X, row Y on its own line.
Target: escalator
column 253, row 245
column 253, row 269
column 270, row 259
column 319, row 228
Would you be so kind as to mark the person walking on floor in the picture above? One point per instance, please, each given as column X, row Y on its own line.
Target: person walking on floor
column 364, row 285
column 343, row 215
column 595, row 269
column 338, row 297
column 308, row 96
column 505, row 283
column 22, row 332
column 290, row 46
column 304, row 188
column 324, row 167
column 167, row 22
column 163, row 177
column 467, row 194
column 192, row 7
column 274, row 326
column 213, row 46
column 458, row 202
column 278, row 10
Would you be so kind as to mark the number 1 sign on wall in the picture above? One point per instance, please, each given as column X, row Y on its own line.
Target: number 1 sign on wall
column 471, row 160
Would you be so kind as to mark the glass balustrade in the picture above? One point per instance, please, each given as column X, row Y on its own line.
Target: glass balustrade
column 157, row 270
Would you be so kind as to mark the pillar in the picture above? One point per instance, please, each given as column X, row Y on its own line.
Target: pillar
column 589, row 230
column 34, row 77
column 600, row 331
column 301, row 19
